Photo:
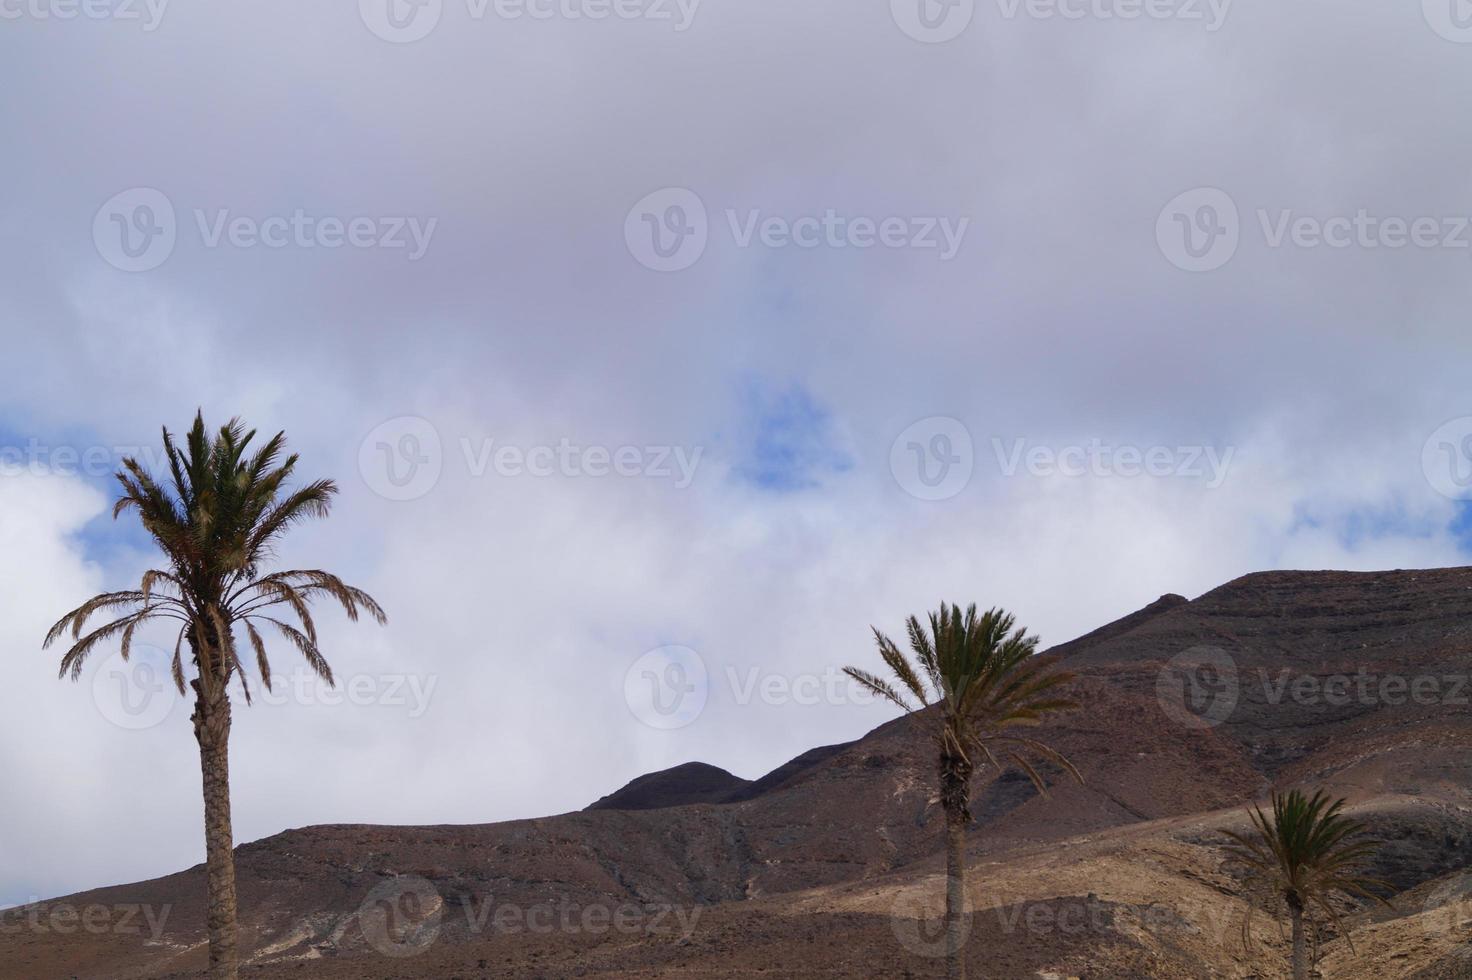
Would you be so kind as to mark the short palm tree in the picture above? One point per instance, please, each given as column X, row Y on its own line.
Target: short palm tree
column 216, row 519
column 1306, row 850
column 977, row 681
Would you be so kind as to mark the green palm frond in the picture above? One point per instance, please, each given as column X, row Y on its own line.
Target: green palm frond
column 982, row 675
column 216, row 515
column 1307, row 850
column 900, row 667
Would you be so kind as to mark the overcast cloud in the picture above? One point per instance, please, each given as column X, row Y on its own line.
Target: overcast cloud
column 440, row 253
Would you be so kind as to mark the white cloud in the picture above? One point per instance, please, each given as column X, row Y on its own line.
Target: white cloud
column 527, row 321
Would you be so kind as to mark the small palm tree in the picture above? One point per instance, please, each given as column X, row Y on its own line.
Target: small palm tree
column 984, row 682
column 1304, row 850
column 217, row 522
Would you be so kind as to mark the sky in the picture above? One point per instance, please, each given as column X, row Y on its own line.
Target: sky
column 661, row 349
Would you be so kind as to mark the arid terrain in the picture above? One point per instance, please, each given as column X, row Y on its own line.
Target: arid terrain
column 830, row 866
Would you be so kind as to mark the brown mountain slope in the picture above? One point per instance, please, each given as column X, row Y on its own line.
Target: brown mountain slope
column 806, row 865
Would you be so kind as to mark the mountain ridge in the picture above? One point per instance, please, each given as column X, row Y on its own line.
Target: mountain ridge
column 839, row 833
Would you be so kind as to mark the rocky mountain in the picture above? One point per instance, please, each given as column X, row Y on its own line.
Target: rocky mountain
column 826, row 867
column 693, row 782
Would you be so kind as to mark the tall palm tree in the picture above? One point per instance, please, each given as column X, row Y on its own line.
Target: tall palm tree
column 216, row 519
column 1304, row 850
column 984, row 682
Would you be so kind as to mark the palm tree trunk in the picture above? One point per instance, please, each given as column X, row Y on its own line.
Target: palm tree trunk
column 955, row 800
column 1300, row 944
column 956, row 926
column 212, row 730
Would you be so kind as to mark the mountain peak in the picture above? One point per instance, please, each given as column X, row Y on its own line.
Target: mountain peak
column 691, row 782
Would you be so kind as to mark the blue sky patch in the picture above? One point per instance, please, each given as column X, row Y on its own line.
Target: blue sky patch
column 787, row 441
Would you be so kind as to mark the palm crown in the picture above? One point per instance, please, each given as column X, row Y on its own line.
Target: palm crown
column 1306, row 849
column 980, row 673
column 217, row 518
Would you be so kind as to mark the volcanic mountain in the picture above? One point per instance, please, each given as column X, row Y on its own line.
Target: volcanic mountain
column 830, row 865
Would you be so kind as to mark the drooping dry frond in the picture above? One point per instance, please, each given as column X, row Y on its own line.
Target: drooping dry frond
column 877, row 685
column 75, row 658
column 305, row 646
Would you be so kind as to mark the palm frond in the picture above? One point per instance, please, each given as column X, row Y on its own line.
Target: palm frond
column 984, row 682
column 215, row 512
column 1307, row 850
column 877, row 685
column 304, row 645
column 900, row 667
column 75, row 658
